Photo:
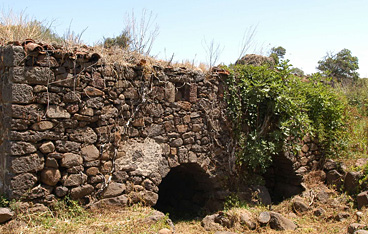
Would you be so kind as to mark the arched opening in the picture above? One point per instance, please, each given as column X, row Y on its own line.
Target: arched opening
column 282, row 181
column 185, row 192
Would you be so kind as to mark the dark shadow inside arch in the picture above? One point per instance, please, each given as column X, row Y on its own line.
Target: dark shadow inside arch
column 185, row 193
column 282, row 181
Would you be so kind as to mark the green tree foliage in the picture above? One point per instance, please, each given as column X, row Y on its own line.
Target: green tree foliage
column 272, row 110
column 297, row 71
column 277, row 53
column 341, row 66
column 121, row 41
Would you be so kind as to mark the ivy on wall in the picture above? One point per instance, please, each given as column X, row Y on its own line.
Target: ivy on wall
column 272, row 110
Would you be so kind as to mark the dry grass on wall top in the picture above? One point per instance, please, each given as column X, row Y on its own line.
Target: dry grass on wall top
column 15, row 28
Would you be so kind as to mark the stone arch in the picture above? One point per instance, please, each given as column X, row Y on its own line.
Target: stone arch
column 186, row 192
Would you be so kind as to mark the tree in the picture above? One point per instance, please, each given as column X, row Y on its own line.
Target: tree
column 297, row 71
column 277, row 53
column 341, row 66
column 121, row 41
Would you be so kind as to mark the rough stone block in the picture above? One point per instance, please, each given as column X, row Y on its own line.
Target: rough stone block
column 61, row 191
column 92, row 91
column 264, row 217
column 108, row 112
column 169, row 126
column 20, row 124
column 51, row 163
column 32, row 75
column 47, row 147
column 57, row 112
column 362, row 199
column 351, row 182
column 181, row 128
column 197, row 127
column 81, row 191
column 279, row 222
column 66, row 80
column 165, row 231
column 13, row 56
column 29, row 112
column 95, row 163
column 50, row 176
column 192, row 93
column 18, row 148
column 70, row 160
column 31, row 163
column 114, row 189
column 48, row 98
column 75, row 180
column 209, row 224
column 131, row 93
column 170, row 92
column 184, row 105
column 173, row 161
column 183, row 155
column 248, row 220
column 305, row 148
column 299, row 205
column 67, row 146
column 155, row 110
column 84, row 135
column 177, row 142
column 71, row 97
column 42, row 126
column 22, row 93
column 90, row 153
column 92, row 171
column 5, row 215
column 333, row 177
column 330, row 165
column 21, row 183
column 153, row 130
column 95, row 102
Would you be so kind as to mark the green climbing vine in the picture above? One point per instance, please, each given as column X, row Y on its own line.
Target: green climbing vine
column 271, row 111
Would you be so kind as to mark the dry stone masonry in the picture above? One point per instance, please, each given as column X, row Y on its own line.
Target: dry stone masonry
column 74, row 125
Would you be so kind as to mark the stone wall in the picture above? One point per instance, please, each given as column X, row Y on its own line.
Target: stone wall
column 72, row 125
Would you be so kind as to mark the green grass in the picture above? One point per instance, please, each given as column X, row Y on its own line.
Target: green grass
column 356, row 121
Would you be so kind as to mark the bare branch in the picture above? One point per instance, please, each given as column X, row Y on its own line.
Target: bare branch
column 142, row 34
column 247, row 40
column 213, row 51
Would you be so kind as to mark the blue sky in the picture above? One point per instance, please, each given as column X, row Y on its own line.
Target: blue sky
column 308, row 29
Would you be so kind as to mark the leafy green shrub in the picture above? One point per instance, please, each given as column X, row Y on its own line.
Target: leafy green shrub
column 233, row 201
column 272, row 110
